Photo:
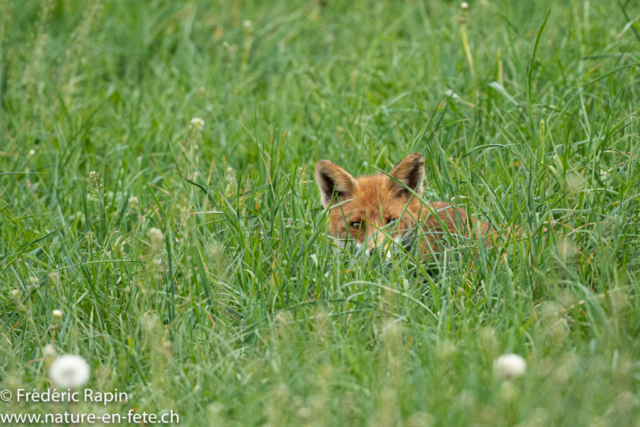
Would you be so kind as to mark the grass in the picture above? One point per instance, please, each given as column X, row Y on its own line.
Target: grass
column 238, row 309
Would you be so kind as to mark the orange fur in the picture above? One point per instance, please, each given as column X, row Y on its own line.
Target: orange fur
column 386, row 210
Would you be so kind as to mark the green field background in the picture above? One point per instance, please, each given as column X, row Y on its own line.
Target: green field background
column 192, row 263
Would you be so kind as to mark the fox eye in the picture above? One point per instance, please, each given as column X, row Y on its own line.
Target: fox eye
column 391, row 220
column 355, row 224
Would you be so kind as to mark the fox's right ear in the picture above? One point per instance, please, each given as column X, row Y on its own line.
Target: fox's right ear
column 410, row 172
column 333, row 181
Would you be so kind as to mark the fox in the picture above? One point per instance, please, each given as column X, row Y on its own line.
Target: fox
column 379, row 211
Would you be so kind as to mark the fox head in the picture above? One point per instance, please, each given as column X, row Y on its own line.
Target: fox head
column 376, row 210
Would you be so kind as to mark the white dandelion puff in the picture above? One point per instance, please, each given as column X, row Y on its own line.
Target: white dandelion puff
column 69, row 371
column 451, row 94
column 133, row 201
column 49, row 350
column 197, row 123
column 464, row 5
column 57, row 314
column 15, row 293
column 509, row 366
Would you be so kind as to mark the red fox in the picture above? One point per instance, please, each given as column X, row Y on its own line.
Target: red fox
column 378, row 211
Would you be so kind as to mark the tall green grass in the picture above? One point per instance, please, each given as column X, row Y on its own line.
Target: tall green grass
column 193, row 265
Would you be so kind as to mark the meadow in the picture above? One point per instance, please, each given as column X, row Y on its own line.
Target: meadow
column 157, row 187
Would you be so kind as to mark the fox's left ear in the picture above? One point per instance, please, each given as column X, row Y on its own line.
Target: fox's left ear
column 410, row 171
column 335, row 183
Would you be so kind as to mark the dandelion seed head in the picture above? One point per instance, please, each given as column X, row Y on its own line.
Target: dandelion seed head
column 57, row 314
column 451, row 94
column 464, row 5
column 69, row 371
column 48, row 350
column 509, row 366
column 197, row 123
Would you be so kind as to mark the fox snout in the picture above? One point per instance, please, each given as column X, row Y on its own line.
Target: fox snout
column 384, row 245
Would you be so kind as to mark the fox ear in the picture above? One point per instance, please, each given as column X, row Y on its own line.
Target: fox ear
column 333, row 181
column 410, row 172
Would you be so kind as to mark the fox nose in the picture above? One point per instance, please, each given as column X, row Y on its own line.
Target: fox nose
column 387, row 253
